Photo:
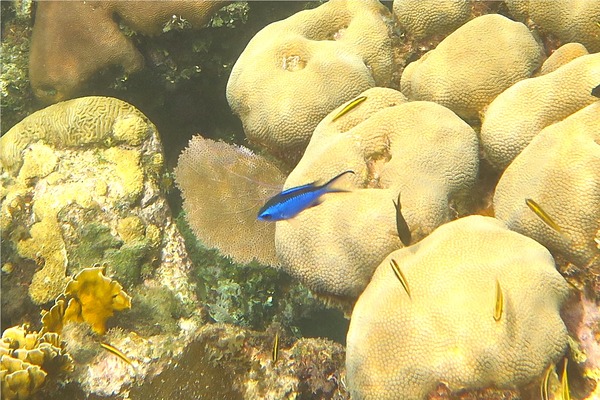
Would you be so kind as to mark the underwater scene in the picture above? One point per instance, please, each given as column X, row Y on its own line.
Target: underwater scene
column 344, row 199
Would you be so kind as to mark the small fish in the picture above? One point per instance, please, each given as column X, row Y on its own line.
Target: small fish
column 596, row 91
column 116, row 352
column 292, row 202
column 499, row 302
column 275, row 354
column 545, row 382
column 564, row 383
column 401, row 225
column 349, row 107
column 400, row 276
column 535, row 207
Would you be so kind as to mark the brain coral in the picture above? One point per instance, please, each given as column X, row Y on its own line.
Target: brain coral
column 223, row 186
column 569, row 20
column 474, row 64
column 563, row 55
column 295, row 71
column 72, row 41
column 422, row 18
column 446, row 331
column 566, row 185
column 420, row 149
column 79, row 122
column 523, row 110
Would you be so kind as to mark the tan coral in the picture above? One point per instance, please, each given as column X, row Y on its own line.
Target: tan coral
column 223, row 187
column 566, row 185
column 73, row 41
column 420, row 149
column 295, row 71
column 95, row 297
column 423, row 18
column 79, row 122
column 563, row 55
column 569, row 20
column 446, row 330
column 523, row 110
column 474, row 64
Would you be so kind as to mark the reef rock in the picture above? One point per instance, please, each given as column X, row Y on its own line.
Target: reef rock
column 566, row 185
column 421, row 150
column 295, row 71
column 447, row 330
column 474, row 64
column 523, row 110
column 72, row 41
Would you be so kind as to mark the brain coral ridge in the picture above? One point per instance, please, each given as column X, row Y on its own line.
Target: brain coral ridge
column 566, row 185
column 423, row 18
column 524, row 109
column 295, row 71
column 73, row 40
column 420, row 149
column 75, row 123
column 446, row 331
column 474, row 64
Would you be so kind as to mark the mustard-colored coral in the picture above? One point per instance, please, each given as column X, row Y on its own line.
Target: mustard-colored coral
column 518, row 114
column 295, row 71
column 421, row 150
column 474, row 64
column 128, row 170
column 422, row 18
column 446, row 330
column 38, row 162
column 566, row 185
column 94, row 298
column 74, row 123
column 130, row 229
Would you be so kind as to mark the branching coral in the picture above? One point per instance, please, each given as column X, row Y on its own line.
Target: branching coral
column 223, row 187
column 295, row 71
column 446, row 331
column 474, row 64
column 73, row 41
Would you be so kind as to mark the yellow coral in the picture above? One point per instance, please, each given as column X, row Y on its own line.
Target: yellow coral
column 128, row 171
column 130, row 229
column 38, row 162
column 95, row 297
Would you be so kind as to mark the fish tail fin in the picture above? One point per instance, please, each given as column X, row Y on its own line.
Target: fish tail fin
column 329, row 184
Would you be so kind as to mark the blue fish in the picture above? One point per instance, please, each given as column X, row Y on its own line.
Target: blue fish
column 293, row 201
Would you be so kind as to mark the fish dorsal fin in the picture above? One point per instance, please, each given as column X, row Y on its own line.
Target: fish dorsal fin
column 297, row 188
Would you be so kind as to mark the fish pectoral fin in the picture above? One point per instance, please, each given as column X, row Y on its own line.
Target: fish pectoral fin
column 293, row 222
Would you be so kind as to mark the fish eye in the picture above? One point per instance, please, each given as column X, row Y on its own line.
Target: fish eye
column 266, row 217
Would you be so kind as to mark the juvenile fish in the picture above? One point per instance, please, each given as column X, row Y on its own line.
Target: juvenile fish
column 401, row 225
column 292, row 202
column 535, row 207
column 564, row 383
column 349, row 107
column 499, row 302
column 275, row 353
column 116, row 352
column 400, row 276
column 545, row 382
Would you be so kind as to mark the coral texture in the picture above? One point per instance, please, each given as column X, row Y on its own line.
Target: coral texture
column 393, row 146
column 295, row 71
column 569, row 20
column 566, row 185
column 523, row 110
column 446, row 330
column 423, row 18
column 563, row 55
column 73, row 41
column 223, row 187
column 474, row 64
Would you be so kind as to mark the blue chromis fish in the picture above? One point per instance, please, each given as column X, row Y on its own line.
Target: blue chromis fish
column 292, row 202
column 349, row 107
column 401, row 225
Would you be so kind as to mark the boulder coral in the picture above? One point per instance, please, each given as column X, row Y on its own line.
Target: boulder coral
column 569, row 20
column 295, row 71
column 561, row 56
column 519, row 113
column 421, row 150
column 566, row 184
column 446, row 331
column 474, row 64
column 424, row 18
column 223, row 187
column 73, row 41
